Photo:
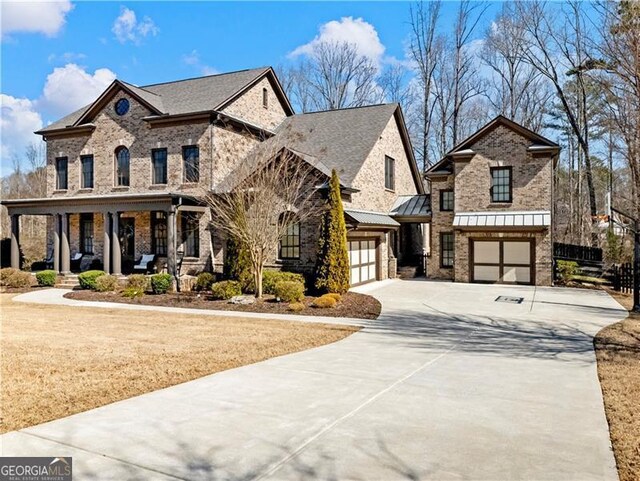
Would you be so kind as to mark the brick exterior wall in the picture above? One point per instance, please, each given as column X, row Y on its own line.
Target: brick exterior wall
column 370, row 179
column 532, row 190
column 250, row 107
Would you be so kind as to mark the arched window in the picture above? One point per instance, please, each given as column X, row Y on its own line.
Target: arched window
column 122, row 166
column 290, row 242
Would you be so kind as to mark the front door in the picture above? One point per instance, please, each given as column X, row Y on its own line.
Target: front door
column 128, row 237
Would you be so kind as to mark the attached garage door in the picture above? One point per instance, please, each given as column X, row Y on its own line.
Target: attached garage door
column 503, row 261
column 363, row 262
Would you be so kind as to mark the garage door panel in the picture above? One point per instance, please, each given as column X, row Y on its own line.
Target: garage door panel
column 517, row 274
column 486, row 273
column 517, row 253
column 362, row 261
column 487, row 252
column 509, row 261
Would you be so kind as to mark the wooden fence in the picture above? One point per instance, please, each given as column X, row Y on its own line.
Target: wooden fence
column 577, row 253
column 623, row 278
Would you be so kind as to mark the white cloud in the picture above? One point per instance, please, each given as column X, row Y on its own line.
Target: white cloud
column 193, row 59
column 127, row 28
column 70, row 87
column 34, row 17
column 355, row 31
column 18, row 121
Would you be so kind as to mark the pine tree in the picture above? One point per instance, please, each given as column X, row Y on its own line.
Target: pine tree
column 332, row 265
column 237, row 264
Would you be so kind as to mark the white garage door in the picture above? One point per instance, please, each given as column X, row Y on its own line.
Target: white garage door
column 362, row 260
column 503, row 261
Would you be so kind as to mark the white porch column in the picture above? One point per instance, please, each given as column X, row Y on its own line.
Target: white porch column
column 116, row 253
column 65, row 250
column 171, row 242
column 106, row 248
column 56, row 242
column 15, row 241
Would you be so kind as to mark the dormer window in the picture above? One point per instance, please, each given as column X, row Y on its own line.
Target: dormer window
column 122, row 107
column 265, row 98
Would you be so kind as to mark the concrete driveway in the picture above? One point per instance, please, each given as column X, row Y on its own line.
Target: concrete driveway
column 446, row 384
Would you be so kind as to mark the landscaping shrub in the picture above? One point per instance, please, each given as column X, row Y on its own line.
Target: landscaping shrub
column 15, row 278
column 237, row 265
column 107, row 283
column 133, row 292
column 88, row 279
column 225, row 289
column 296, row 306
column 5, row 274
column 138, row 281
column 566, row 270
column 272, row 278
column 204, row 281
column 47, row 278
column 332, row 264
column 335, row 295
column 160, row 283
column 289, row 291
column 324, row 302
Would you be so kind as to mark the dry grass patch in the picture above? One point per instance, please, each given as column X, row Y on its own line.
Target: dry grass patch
column 618, row 353
column 58, row 361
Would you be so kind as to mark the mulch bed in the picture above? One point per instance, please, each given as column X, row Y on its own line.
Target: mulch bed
column 359, row 306
column 618, row 353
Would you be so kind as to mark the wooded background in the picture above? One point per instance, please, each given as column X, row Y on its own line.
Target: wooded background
column 570, row 71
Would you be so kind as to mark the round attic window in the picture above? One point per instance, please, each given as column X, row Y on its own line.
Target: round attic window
column 122, row 106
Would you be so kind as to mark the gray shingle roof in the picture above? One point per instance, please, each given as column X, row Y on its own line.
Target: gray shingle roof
column 182, row 96
column 339, row 139
column 371, row 218
column 412, row 206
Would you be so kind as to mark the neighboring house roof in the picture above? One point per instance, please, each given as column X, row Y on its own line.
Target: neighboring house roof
column 200, row 94
column 369, row 218
column 413, row 206
column 540, row 144
column 502, row 219
column 342, row 139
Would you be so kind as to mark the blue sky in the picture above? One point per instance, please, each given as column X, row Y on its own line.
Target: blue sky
column 58, row 56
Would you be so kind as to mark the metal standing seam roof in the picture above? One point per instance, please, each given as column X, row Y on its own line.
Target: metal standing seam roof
column 412, row 206
column 371, row 218
column 539, row 218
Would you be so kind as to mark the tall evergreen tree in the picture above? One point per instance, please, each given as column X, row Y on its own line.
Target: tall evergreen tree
column 332, row 265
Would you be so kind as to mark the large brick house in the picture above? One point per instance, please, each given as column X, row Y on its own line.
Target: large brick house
column 125, row 176
column 492, row 199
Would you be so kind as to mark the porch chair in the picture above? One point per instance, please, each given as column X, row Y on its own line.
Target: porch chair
column 145, row 264
column 76, row 261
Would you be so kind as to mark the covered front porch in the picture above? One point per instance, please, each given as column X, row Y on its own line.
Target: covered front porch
column 113, row 232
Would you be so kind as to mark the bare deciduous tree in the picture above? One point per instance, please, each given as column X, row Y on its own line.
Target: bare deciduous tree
column 270, row 190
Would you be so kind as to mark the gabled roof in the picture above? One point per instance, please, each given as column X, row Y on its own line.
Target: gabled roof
column 539, row 144
column 200, row 94
column 535, row 138
column 342, row 139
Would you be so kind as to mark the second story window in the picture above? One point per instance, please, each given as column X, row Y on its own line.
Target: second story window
column 446, row 200
column 122, row 166
column 265, row 98
column 191, row 158
column 62, row 166
column 86, row 177
column 501, row 186
column 389, row 173
column 159, row 167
